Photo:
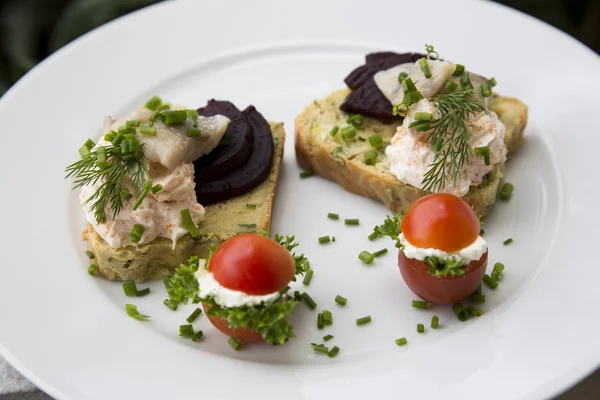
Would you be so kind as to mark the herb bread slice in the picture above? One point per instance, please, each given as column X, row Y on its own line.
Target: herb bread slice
column 250, row 212
column 344, row 163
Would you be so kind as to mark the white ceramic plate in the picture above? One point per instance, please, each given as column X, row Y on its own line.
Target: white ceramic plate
column 69, row 333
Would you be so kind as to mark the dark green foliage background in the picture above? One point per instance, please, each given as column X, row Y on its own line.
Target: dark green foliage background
column 30, row 30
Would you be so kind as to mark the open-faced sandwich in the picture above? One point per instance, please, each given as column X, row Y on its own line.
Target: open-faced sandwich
column 410, row 124
column 167, row 182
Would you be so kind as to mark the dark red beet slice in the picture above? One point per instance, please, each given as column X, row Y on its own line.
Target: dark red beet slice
column 229, row 158
column 377, row 62
column 368, row 100
column 254, row 172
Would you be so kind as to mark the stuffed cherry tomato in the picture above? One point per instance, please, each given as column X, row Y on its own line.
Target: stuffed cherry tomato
column 242, row 288
column 443, row 258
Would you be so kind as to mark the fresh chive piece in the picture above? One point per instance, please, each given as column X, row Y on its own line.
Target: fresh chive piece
column 341, row 300
column 356, row 120
column 366, row 257
column 458, row 71
column 193, row 114
column 92, row 269
column 324, row 239
column 484, row 152
column 493, row 82
column 194, row 315
column 327, row 317
column 171, row 304
column 492, row 284
column 110, row 136
column 333, row 352
column 420, row 328
column 307, row 277
column 474, row 311
column 145, row 191
column 129, row 288
column 90, row 255
column 506, row 191
column 153, row 103
column 333, row 238
column 101, row 157
column 438, row 143
column 248, row 226
column 124, row 129
column 133, row 122
column 143, row 292
column 508, row 241
column 373, row 236
column 477, row 298
column 334, row 131
column 165, row 106
column 351, row 221
column 401, row 341
column 251, row 206
column 156, row 188
column 423, row 116
column 380, row 252
column 485, row 89
column 126, row 194
column 172, row 117
column 371, row 157
column 375, row 140
column 136, row 233
column 118, row 139
column 425, row 67
column 84, row 151
column 348, row 133
column 419, row 304
column 450, row 86
column 186, row 330
column 297, row 295
column 402, row 76
column 89, row 144
column 465, row 82
column 194, row 132
column 133, row 312
column 320, row 323
column 333, row 216
column 435, row 322
column 188, row 223
column 327, row 338
column 197, row 336
column 234, row 344
column 498, row 271
column 320, row 348
column 461, row 313
column 309, row 301
column 363, row 320
column 416, row 123
column 306, row 174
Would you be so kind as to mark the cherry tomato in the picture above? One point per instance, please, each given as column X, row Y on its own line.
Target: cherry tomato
column 441, row 289
column 222, row 325
column 253, row 264
column 440, row 221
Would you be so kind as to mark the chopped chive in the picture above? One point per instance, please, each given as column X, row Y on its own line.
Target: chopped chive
column 251, row 206
column 163, row 107
column 508, row 241
column 320, row 348
column 327, row 317
column 188, row 223
column 193, row 114
column 420, row 328
column 194, row 132
column 373, row 236
column 366, row 257
column 423, row 127
column 465, row 82
column 340, row 300
column 435, row 322
column 136, row 233
column 124, row 129
column 478, row 290
column 110, row 136
column 492, row 284
column 143, row 292
column 248, row 226
column 173, row 117
column 140, row 199
column 92, row 269
column 485, row 152
column 380, row 252
column 334, row 131
column 348, row 133
column 474, row 311
column 402, row 76
column 306, row 174
column 437, row 143
column 156, row 188
column 401, row 341
column 363, row 320
column 460, row 312
column 498, row 271
column 197, row 336
column 356, row 120
column 320, row 323
column 171, row 304
column 493, row 82
column 307, row 277
column 129, row 288
column 153, row 103
column 450, row 86
column 416, row 123
column 333, row 352
column 84, row 151
column 234, row 344
column 352, row 221
column 375, row 140
column 101, row 157
column 485, row 89
column 324, row 239
column 419, row 304
column 506, row 191
column 458, row 71
column 133, row 122
column 327, row 338
column 477, row 298
column 194, row 315
column 333, row 216
column 90, row 255
column 371, row 157
column 408, row 85
column 89, row 144
column 423, row 116
column 297, row 295
column 133, row 312
column 309, row 301
column 117, row 140
column 125, row 194
column 333, row 238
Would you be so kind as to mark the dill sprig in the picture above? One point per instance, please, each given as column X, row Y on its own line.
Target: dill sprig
column 450, row 139
column 119, row 166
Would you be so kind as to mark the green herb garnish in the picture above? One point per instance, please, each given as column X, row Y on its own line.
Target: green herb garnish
column 306, row 174
column 352, row 221
column 333, row 352
column 390, row 227
column 506, row 191
column 401, row 341
column 439, row 267
column 309, row 301
column 435, row 322
column 420, row 328
column 324, row 239
column 460, row 312
column 489, row 282
column 363, row 320
column 133, row 312
column 340, row 300
column 366, row 257
column 194, row 315
column 189, row 224
column 333, row 216
column 92, row 269
column 419, row 304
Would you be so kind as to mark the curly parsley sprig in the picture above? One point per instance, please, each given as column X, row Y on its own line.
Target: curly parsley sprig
column 390, row 227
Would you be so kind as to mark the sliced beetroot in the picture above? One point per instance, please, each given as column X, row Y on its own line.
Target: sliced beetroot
column 254, row 172
column 377, row 62
column 232, row 156
column 370, row 102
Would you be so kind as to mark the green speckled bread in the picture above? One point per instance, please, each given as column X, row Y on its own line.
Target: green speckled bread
column 344, row 163
column 223, row 220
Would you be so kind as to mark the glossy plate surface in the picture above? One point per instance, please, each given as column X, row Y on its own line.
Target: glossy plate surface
column 69, row 333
